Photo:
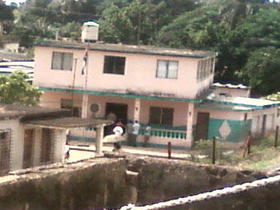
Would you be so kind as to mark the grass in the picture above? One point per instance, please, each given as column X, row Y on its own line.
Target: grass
column 263, row 155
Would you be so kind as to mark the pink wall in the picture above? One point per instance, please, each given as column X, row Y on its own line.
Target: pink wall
column 52, row 99
column 140, row 71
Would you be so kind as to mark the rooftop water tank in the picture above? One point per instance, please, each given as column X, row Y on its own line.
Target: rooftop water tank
column 90, row 32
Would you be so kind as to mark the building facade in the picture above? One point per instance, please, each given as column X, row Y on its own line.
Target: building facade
column 161, row 87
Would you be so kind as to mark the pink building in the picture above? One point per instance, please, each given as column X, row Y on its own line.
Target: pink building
column 166, row 88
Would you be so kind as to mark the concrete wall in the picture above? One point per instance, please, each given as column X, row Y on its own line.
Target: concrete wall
column 16, row 142
column 104, row 183
column 140, row 74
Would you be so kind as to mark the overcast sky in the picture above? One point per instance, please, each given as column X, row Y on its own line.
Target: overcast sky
column 16, row 1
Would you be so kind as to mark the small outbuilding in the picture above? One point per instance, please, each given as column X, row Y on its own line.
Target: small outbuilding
column 33, row 136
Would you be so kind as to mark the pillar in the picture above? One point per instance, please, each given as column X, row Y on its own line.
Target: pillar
column 136, row 110
column 190, row 122
column 85, row 106
column 99, row 140
column 59, row 144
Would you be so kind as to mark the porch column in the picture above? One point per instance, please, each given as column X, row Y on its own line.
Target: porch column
column 190, row 121
column 136, row 111
column 85, row 106
column 99, row 140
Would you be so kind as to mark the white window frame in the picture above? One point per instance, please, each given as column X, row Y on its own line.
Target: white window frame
column 61, row 65
column 167, row 69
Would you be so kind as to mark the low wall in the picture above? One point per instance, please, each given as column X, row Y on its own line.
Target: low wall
column 106, row 183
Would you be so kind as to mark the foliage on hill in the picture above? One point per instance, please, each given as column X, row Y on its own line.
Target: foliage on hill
column 244, row 33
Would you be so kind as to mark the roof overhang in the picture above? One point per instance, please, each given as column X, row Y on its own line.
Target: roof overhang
column 125, row 95
column 68, row 122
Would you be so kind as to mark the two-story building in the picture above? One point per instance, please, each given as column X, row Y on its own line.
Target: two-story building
column 163, row 87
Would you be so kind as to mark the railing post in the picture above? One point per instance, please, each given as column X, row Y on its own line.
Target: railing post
column 276, row 136
column 169, row 150
column 214, row 150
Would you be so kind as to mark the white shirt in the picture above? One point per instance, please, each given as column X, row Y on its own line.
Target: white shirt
column 136, row 127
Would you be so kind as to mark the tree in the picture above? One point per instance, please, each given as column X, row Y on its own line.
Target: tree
column 262, row 70
column 14, row 89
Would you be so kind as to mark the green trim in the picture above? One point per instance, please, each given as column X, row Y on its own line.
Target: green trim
column 202, row 106
column 125, row 95
column 81, row 138
column 240, row 104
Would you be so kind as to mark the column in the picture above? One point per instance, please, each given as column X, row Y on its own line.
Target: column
column 136, row 111
column 59, row 144
column 190, row 122
column 85, row 106
column 37, row 146
column 99, row 140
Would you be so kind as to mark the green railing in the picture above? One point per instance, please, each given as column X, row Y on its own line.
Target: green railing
column 171, row 132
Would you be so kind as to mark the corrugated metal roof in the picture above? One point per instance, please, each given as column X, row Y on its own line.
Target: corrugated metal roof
column 135, row 49
column 243, row 101
column 239, row 86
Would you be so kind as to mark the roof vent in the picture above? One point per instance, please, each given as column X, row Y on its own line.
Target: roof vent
column 90, row 32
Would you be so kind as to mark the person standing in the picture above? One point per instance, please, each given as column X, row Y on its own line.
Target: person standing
column 129, row 130
column 147, row 135
column 135, row 132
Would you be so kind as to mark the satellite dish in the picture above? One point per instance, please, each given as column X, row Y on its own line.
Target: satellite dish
column 94, row 108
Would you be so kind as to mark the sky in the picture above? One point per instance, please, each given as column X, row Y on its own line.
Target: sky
column 16, row 1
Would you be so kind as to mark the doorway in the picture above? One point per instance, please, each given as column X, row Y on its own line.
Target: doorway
column 28, row 148
column 202, row 125
column 119, row 110
column 46, row 146
column 5, row 146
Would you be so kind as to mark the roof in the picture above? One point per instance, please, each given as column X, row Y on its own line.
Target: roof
column 91, row 23
column 255, row 103
column 231, row 86
column 7, row 56
column 68, row 122
column 159, row 96
column 27, row 112
column 133, row 49
column 7, row 68
column 223, row 107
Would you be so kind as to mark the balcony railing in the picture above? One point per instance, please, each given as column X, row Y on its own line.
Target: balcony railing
column 165, row 132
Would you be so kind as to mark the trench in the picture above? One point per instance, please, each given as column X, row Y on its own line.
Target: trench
column 114, row 182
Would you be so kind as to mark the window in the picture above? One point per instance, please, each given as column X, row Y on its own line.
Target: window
column 161, row 116
column 62, row 61
column 167, row 69
column 114, row 65
column 204, row 68
column 69, row 104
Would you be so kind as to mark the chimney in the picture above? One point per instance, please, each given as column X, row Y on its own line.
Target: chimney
column 90, row 32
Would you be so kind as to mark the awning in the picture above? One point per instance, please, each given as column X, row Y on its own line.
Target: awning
column 68, row 122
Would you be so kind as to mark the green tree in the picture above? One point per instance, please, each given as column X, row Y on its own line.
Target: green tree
column 262, row 70
column 14, row 89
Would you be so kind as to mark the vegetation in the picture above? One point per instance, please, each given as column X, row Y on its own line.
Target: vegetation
column 14, row 89
column 244, row 33
column 263, row 156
